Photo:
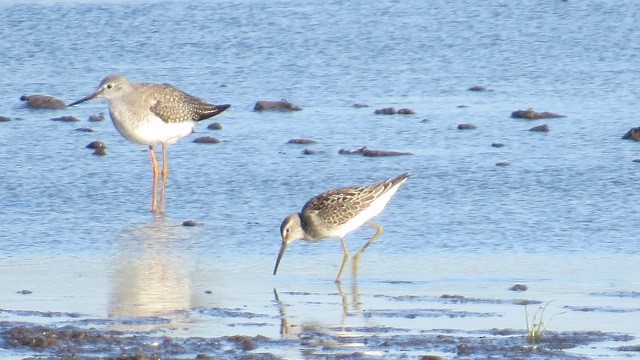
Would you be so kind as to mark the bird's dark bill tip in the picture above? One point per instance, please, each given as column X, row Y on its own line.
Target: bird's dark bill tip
column 88, row 97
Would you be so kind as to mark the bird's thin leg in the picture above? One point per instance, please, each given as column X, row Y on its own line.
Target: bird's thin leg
column 356, row 257
column 165, row 176
column 154, row 164
column 375, row 236
column 344, row 259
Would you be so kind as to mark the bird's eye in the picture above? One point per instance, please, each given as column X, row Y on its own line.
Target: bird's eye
column 109, row 86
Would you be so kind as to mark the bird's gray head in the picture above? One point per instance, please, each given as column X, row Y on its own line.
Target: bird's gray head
column 290, row 230
column 110, row 87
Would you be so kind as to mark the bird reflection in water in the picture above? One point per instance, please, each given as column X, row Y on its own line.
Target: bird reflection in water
column 350, row 306
column 151, row 287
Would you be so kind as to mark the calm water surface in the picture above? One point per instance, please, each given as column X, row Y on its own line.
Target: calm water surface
column 562, row 218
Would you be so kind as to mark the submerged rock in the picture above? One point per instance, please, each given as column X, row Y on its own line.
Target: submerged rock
column 309, row 152
column 477, row 88
column 386, row 111
column 503, row 163
column 66, row 119
column 43, row 102
column 373, row 153
column 406, row 111
column 530, row 114
column 497, row 145
column 633, row 134
column 190, row 223
column 206, row 140
column 215, row 126
column 4, row 118
column 100, row 152
column 96, row 145
column 466, row 127
column 519, row 287
column 302, row 141
column 84, row 129
column 541, row 128
column 96, row 117
column 282, row 105
column 359, row 105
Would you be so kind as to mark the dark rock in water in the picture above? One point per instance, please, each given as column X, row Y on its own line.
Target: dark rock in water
column 477, row 88
column 4, row 118
column 43, row 102
column 633, row 134
column 636, row 160
column 309, row 152
column 301, row 141
column 451, row 296
column 96, row 145
column 386, row 111
column 541, row 128
column 282, row 105
column 85, row 129
column 206, row 140
column 503, row 163
column 96, row 117
column 66, row 119
column 462, row 106
column 190, row 223
column 373, row 153
column 358, row 106
column 466, row 127
column 100, row 152
column 519, row 287
column 431, row 357
column 530, row 114
column 497, row 145
column 24, row 292
column 406, row 111
column 215, row 126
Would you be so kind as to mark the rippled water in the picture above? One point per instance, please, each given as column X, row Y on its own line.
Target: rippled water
column 562, row 217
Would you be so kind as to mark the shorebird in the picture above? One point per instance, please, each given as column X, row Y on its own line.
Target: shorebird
column 336, row 213
column 152, row 114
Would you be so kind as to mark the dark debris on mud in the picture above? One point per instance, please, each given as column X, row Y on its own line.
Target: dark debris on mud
column 72, row 342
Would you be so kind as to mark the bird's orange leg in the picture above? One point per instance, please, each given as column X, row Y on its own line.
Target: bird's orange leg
column 165, row 176
column 154, row 164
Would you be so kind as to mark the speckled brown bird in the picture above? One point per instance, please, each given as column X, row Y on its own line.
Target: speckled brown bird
column 152, row 114
column 338, row 212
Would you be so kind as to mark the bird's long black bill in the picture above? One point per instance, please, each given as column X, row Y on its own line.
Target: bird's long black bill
column 88, row 97
column 283, row 248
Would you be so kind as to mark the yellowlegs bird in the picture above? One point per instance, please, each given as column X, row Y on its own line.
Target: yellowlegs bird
column 152, row 114
column 336, row 213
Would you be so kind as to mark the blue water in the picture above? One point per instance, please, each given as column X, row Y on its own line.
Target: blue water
column 562, row 216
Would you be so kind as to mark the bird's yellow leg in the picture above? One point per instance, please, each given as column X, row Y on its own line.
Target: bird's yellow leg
column 165, row 176
column 344, row 259
column 375, row 236
column 356, row 257
column 154, row 164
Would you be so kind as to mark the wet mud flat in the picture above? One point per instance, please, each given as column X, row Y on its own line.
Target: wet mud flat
column 59, row 335
column 73, row 342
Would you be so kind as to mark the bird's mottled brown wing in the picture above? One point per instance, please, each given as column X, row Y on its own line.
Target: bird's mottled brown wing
column 174, row 105
column 336, row 207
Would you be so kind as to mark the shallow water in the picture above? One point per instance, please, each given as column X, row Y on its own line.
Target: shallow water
column 561, row 218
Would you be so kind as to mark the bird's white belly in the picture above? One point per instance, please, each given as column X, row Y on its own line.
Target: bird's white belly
column 151, row 130
column 372, row 211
